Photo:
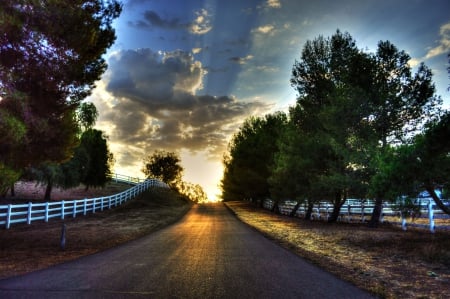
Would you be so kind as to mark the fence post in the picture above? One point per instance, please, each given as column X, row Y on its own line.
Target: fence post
column 84, row 207
column 431, row 215
column 62, row 209
column 101, row 204
column 30, row 207
column 349, row 213
column 93, row 205
column 403, row 222
column 363, row 215
column 74, row 209
column 8, row 216
column 381, row 214
column 46, row 212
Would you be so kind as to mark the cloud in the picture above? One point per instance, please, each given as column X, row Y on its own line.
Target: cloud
column 200, row 25
column 444, row 43
column 196, row 50
column 150, row 102
column 273, row 3
column 241, row 60
column 267, row 29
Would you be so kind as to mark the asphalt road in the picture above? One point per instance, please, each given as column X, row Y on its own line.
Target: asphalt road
column 208, row 254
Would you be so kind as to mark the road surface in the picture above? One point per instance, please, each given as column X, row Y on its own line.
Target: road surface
column 208, row 254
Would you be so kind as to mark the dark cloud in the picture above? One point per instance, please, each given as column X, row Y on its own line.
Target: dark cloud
column 156, row 106
column 199, row 25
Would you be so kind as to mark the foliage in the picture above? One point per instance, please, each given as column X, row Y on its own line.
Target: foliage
column 97, row 171
column 353, row 104
column 194, row 192
column 50, row 57
column 87, row 115
column 164, row 166
column 251, row 155
column 333, row 81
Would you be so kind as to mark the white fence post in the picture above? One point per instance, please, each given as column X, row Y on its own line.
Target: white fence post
column 74, row 209
column 8, row 216
column 46, row 212
column 403, row 222
column 30, row 207
column 84, row 207
column 431, row 215
column 62, row 209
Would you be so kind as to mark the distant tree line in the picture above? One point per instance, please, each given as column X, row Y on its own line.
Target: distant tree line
column 363, row 126
column 50, row 57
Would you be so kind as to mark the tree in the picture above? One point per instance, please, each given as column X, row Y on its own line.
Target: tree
column 194, row 192
column 164, row 166
column 400, row 103
column 12, row 134
column 97, row 172
column 332, row 81
column 50, row 57
column 251, row 155
column 356, row 104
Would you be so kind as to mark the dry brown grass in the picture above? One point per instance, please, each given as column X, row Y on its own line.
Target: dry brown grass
column 25, row 248
column 386, row 261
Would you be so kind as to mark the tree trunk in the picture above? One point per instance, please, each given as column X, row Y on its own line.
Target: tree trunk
column 48, row 191
column 376, row 213
column 275, row 207
column 13, row 191
column 337, row 204
column 436, row 199
column 309, row 210
column 295, row 209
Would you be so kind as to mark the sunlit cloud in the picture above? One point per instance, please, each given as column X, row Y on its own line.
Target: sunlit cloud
column 202, row 22
column 196, row 50
column 273, row 3
column 444, row 43
column 267, row 29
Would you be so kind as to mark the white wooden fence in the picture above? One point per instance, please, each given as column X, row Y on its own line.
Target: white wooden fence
column 27, row 213
column 358, row 211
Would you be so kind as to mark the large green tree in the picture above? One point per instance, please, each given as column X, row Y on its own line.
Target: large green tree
column 332, row 79
column 50, row 57
column 356, row 104
column 250, row 158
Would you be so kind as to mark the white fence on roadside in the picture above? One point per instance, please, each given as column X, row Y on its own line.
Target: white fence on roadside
column 27, row 213
column 358, row 211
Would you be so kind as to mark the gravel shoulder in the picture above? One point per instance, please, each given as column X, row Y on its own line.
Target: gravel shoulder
column 386, row 261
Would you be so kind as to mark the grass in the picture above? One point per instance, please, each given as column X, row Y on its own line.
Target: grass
column 26, row 248
column 386, row 261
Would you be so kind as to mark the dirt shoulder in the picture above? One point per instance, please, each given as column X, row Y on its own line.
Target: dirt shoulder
column 25, row 248
column 386, row 261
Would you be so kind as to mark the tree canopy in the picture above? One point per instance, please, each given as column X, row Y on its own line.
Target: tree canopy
column 164, row 166
column 50, row 57
column 356, row 114
column 251, row 154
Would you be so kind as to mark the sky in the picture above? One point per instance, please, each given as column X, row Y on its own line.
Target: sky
column 183, row 75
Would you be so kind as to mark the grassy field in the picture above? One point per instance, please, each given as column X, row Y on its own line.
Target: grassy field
column 386, row 261
column 25, row 248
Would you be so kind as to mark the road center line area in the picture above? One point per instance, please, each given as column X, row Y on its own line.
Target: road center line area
column 207, row 254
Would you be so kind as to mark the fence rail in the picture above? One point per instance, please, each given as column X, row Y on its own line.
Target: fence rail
column 27, row 213
column 431, row 217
